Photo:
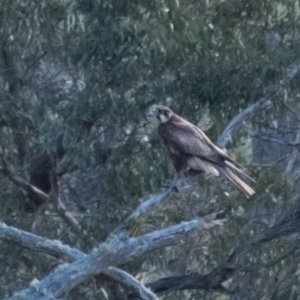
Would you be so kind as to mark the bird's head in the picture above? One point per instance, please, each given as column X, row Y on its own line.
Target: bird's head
column 162, row 113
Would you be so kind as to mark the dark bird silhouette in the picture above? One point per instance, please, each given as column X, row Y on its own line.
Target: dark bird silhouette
column 193, row 152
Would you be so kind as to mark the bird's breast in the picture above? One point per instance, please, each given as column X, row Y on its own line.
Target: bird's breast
column 198, row 164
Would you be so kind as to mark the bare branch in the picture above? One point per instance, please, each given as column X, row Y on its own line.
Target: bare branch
column 241, row 268
column 66, row 253
column 275, row 140
column 226, row 134
column 149, row 203
column 39, row 244
column 24, row 184
column 213, row 280
column 291, row 72
column 58, row 205
column 263, row 103
column 129, row 280
column 111, row 253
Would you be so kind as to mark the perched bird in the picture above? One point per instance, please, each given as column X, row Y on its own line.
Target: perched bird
column 193, row 152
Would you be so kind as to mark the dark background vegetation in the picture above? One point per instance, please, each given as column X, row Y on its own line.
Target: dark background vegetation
column 76, row 79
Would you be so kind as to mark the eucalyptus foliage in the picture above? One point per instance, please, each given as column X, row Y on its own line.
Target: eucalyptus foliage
column 77, row 77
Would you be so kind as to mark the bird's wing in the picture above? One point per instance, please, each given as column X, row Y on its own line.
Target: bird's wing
column 190, row 140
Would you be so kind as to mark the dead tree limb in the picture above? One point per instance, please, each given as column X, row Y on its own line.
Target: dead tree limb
column 226, row 134
column 45, row 198
column 263, row 103
column 213, row 280
column 23, row 183
column 116, row 250
column 63, row 252
column 148, row 203
column 39, row 244
column 128, row 280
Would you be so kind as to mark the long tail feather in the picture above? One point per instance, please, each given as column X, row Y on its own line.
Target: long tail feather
column 234, row 167
column 237, row 182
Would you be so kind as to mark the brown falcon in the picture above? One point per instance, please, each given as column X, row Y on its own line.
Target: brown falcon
column 193, row 152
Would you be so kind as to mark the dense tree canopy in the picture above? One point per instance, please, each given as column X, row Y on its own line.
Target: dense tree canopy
column 76, row 80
